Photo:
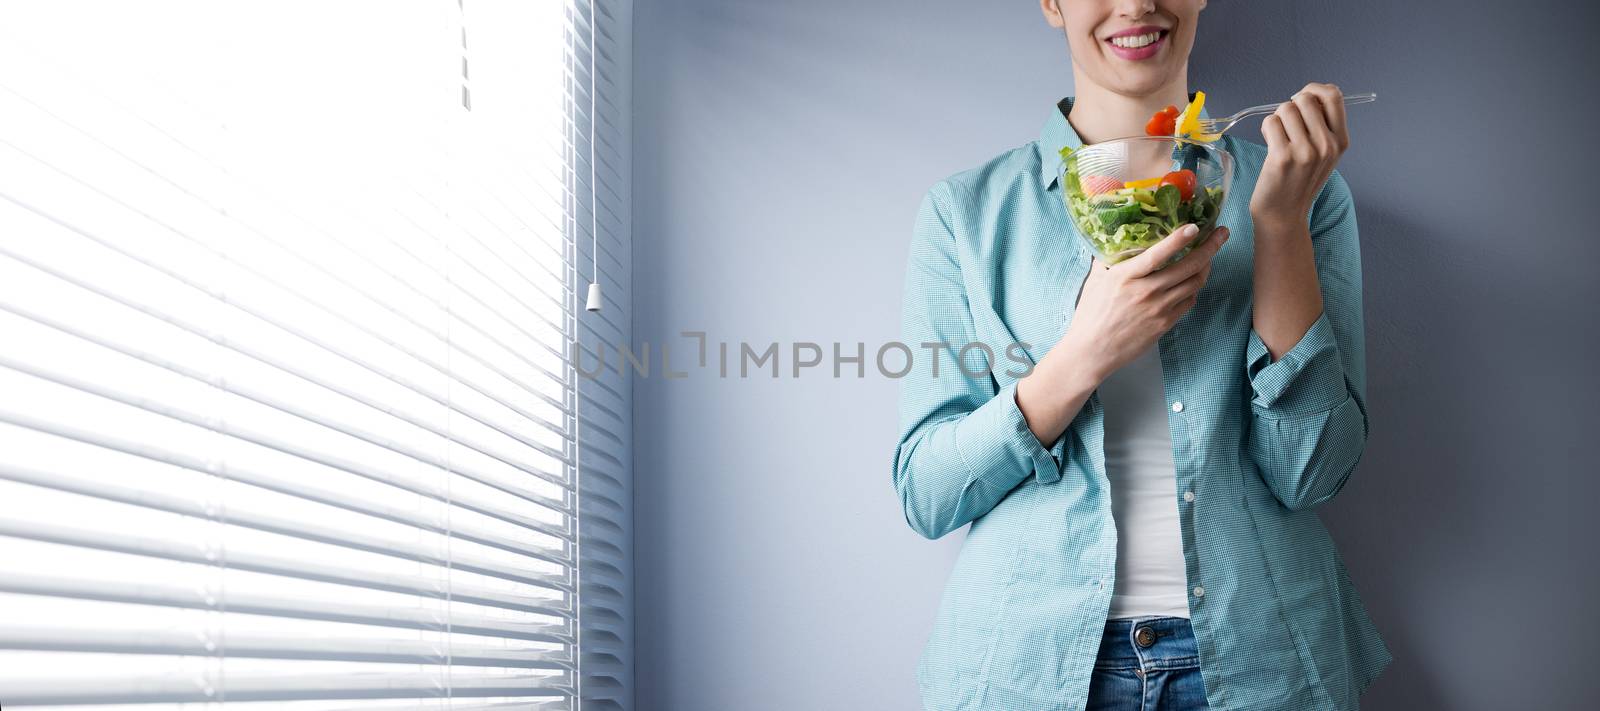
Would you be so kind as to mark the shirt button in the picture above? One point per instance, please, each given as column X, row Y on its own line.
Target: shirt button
column 1199, row 591
column 1188, row 496
column 1177, row 406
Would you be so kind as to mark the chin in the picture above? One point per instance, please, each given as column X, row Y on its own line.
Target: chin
column 1142, row 83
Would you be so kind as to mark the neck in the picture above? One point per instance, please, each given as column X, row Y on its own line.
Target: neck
column 1100, row 114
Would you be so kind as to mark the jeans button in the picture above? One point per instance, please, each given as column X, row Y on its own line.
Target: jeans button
column 1144, row 636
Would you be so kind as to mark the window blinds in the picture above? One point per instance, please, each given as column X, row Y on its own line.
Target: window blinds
column 288, row 296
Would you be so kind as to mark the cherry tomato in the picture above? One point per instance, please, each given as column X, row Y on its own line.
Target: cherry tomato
column 1184, row 180
column 1163, row 122
column 1160, row 125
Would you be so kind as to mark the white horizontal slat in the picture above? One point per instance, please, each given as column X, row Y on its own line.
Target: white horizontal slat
column 267, row 512
column 484, row 704
column 270, row 646
column 255, row 593
column 373, row 576
column 199, row 582
column 395, row 684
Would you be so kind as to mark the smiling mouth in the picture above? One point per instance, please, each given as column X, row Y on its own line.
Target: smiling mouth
column 1137, row 41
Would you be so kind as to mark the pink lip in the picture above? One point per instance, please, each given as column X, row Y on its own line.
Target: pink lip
column 1137, row 53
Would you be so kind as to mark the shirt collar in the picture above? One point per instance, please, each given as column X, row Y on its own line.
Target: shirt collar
column 1058, row 134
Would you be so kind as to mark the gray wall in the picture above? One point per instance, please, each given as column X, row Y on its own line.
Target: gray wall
column 780, row 150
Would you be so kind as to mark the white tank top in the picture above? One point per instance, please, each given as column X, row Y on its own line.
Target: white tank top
column 1144, row 498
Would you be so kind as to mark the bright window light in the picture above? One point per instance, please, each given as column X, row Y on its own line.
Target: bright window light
column 288, row 292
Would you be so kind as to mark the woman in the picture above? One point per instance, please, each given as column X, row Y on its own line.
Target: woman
column 1142, row 494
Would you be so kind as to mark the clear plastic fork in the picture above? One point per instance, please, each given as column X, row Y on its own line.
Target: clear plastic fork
column 1217, row 126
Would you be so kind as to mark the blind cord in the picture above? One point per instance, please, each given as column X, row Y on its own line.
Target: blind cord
column 593, row 303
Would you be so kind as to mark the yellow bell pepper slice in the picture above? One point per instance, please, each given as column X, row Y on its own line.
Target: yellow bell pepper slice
column 1146, row 183
column 1188, row 124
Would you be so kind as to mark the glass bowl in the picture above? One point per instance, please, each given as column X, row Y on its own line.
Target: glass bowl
column 1119, row 221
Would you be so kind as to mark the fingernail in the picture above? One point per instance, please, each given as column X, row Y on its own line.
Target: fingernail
column 1191, row 230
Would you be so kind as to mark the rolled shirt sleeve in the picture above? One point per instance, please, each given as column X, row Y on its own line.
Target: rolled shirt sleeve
column 996, row 437
column 1308, row 425
column 1307, row 379
column 963, row 442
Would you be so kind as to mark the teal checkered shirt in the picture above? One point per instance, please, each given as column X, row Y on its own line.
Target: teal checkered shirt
column 1258, row 445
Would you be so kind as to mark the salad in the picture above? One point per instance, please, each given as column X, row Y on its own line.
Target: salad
column 1124, row 218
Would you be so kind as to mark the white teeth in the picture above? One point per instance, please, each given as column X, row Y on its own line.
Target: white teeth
column 1134, row 42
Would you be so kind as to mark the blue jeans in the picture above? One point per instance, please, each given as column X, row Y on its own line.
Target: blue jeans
column 1147, row 664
